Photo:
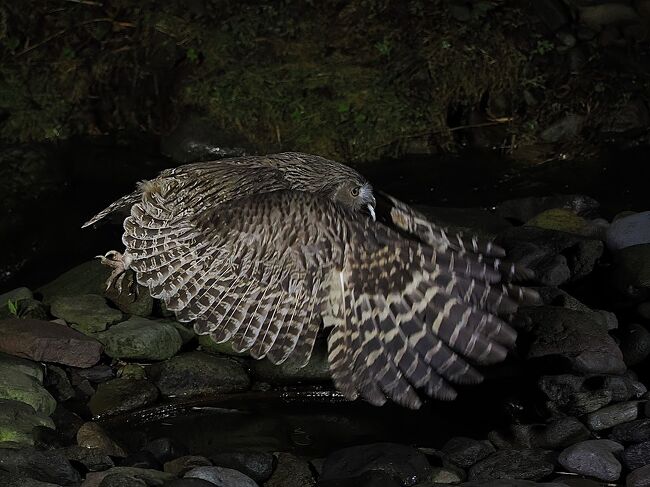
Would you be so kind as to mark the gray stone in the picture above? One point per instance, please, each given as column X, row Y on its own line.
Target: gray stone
column 631, row 272
column 635, row 344
column 639, row 477
column 17, row 386
column 121, row 480
column 635, row 431
column 316, row 370
column 513, row 464
column 92, row 436
column 58, row 384
column 189, row 483
column 637, row 455
column 630, row 230
column 17, row 364
column 87, row 313
column 122, row 395
column 140, row 338
column 46, row 466
column 225, row 348
column 44, row 341
column 17, row 421
column 401, row 462
column 87, row 278
column 290, row 471
column 221, row 477
column 198, row 374
column 613, row 415
column 94, row 459
column 149, row 476
column 465, row 452
column 12, row 480
column 257, row 465
column 558, row 433
column 594, row 458
column 179, row 466
column 569, row 394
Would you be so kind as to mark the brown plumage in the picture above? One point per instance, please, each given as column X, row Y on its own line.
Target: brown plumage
column 262, row 250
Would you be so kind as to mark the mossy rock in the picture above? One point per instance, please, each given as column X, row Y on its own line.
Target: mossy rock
column 122, row 395
column 225, row 348
column 17, row 364
column 87, row 313
column 141, row 339
column 316, row 370
column 24, row 388
column 87, row 278
column 18, row 419
column 563, row 220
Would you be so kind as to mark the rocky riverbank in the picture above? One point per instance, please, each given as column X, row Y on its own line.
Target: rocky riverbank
column 74, row 357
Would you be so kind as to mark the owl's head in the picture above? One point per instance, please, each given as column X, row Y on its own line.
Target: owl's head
column 355, row 194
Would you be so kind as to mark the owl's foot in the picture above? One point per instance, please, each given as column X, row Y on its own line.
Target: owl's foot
column 120, row 264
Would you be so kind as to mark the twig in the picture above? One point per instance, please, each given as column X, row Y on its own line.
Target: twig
column 44, row 41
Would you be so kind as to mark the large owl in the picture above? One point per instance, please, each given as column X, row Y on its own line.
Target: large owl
column 262, row 251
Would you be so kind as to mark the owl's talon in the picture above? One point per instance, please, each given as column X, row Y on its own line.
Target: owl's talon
column 120, row 264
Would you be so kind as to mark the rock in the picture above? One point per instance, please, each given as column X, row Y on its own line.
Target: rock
column 403, row 463
column 46, row 466
column 97, row 374
column 87, row 278
column 568, row 393
column 11, row 480
column 186, row 332
column 142, row 459
column 523, row 209
column 17, row 386
column 121, row 480
column 20, row 303
column 513, row 464
column 87, row 313
column 221, row 477
column 17, row 420
column 598, row 16
column 635, row 431
column 140, row 338
column 15, row 295
column 613, row 415
column 290, row 471
column 316, row 370
column 553, row 13
column 198, row 374
column 563, row 129
column 637, row 455
column 67, row 424
column 367, row 479
column 644, row 310
column 594, row 458
column 563, row 220
column 149, row 476
column 122, row 395
column 45, row 341
column 631, row 273
column 179, row 466
column 257, row 465
column 94, row 459
column 576, row 338
column 132, row 371
column 558, row 433
column 474, row 221
column 635, row 344
column 639, row 477
column 189, row 483
column 444, row 475
column 139, row 305
column 210, row 346
column 465, row 452
column 17, row 364
column 92, row 435
column 165, row 449
column 58, row 384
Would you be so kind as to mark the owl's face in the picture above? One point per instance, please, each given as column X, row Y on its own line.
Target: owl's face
column 356, row 195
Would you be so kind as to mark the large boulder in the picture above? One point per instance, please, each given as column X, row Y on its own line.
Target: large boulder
column 141, row 339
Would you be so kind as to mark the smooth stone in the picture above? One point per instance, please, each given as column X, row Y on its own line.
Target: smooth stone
column 92, row 435
column 198, row 374
column 558, row 433
column 149, row 476
column 18, row 420
column 121, row 480
column 579, row 339
column 443, row 475
column 637, row 455
column 513, row 464
column 46, row 466
column 257, row 465
column 94, row 459
column 121, row 395
column 613, row 415
column 44, row 341
column 188, row 483
column 403, row 463
column 225, row 348
column 639, row 477
column 290, row 471
column 179, row 466
column 563, row 220
column 635, row 431
column 165, row 449
column 27, row 367
column 139, row 303
column 87, row 313
column 635, row 344
column 221, row 477
column 87, row 278
column 625, row 232
column 24, row 388
column 290, row 372
column 97, row 374
column 631, row 271
column 12, row 480
column 140, row 338
column 593, row 458
column 465, row 452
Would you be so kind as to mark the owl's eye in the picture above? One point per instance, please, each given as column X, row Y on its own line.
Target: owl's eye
column 355, row 191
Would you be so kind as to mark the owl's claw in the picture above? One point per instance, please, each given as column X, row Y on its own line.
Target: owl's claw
column 120, row 264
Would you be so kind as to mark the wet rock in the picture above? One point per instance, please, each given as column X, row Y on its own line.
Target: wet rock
column 11, row 480
column 17, row 364
column 92, row 435
column 405, row 464
column 67, row 424
column 87, row 278
column 367, row 479
column 15, row 385
column 635, row 344
column 630, row 230
column 221, row 477
column 179, row 466
column 257, row 466
column 186, row 332
column 149, row 476
column 165, row 449
column 576, row 338
column 558, row 433
column 45, row 341
column 523, row 209
column 565, row 128
column 631, row 273
column 465, row 452
column 122, row 395
column 132, row 371
column 637, row 455
column 121, row 480
column 317, row 369
column 142, row 459
column 189, row 483
column 94, row 459
column 613, row 415
column 598, row 16
column 97, row 374
column 568, row 393
column 513, row 464
column 46, row 466
column 210, row 346
column 639, row 477
column 290, row 471
column 17, row 421
column 196, row 373
column 87, row 313
column 594, row 458
column 563, row 220
column 140, row 338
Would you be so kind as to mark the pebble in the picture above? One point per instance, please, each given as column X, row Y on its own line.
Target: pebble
column 613, row 415
column 513, row 464
column 639, row 477
column 46, row 466
column 44, row 341
column 257, row 465
column 221, row 477
column 121, row 395
column 465, row 452
column 593, row 458
column 636, row 456
column 87, row 313
column 141, row 339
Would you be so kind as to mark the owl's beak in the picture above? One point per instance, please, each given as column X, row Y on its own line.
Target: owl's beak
column 371, row 210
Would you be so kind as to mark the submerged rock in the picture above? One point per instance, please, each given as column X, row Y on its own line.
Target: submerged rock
column 87, row 313
column 45, row 341
column 46, row 466
column 523, row 209
column 122, row 395
column 198, row 374
column 140, row 338
column 594, row 458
